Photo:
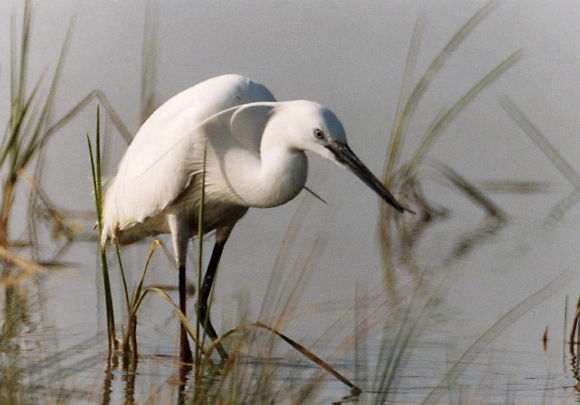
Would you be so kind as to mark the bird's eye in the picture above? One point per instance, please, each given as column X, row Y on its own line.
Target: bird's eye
column 319, row 134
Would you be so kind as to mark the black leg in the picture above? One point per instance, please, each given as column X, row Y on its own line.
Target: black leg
column 202, row 304
column 184, row 350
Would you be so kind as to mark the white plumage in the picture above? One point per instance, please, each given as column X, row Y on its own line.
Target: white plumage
column 254, row 150
column 166, row 153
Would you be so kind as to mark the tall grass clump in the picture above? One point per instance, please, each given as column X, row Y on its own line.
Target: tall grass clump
column 397, row 235
column 126, row 344
column 406, row 177
column 26, row 132
column 30, row 127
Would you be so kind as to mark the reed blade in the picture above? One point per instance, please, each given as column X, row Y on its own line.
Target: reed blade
column 541, row 141
column 407, row 112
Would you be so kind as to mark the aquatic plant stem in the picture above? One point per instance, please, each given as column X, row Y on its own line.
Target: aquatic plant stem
column 98, row 191
column 7, row 203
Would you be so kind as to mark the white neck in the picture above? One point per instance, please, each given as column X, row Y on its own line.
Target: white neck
column 273, row 178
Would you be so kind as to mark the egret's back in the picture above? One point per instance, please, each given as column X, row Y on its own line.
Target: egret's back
column 157, row 166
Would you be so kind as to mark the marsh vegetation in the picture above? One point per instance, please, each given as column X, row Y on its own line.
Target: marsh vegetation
column 471, row 300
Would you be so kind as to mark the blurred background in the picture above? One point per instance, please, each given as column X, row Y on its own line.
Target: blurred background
column 352, row 57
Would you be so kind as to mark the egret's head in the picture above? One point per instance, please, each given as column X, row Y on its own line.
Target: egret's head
column 313, row 127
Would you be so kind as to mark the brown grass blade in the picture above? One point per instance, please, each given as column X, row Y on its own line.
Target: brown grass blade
column 29, row 268
column 105, row 103
column 471, row 191
column 301, row 349
column 541, row 141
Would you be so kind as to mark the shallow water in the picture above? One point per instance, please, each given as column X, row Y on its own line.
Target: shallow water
column 461, row 295
column 59, row 349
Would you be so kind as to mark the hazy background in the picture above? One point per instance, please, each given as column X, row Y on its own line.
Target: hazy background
column 350, row 56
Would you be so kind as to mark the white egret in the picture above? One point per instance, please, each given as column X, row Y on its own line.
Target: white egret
column 254, row 150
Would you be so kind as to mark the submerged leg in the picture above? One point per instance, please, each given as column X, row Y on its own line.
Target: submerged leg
column 204, row 293
column 180, row 238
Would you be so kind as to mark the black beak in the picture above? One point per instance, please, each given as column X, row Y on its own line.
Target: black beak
column 345, row 155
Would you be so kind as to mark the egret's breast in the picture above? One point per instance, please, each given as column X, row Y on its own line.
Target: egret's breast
column 240, row 177
column 288, row 184
column 281, row 178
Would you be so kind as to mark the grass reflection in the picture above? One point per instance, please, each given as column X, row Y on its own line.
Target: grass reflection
column 400, row 310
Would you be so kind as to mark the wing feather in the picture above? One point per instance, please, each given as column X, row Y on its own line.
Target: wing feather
column 161, row 161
